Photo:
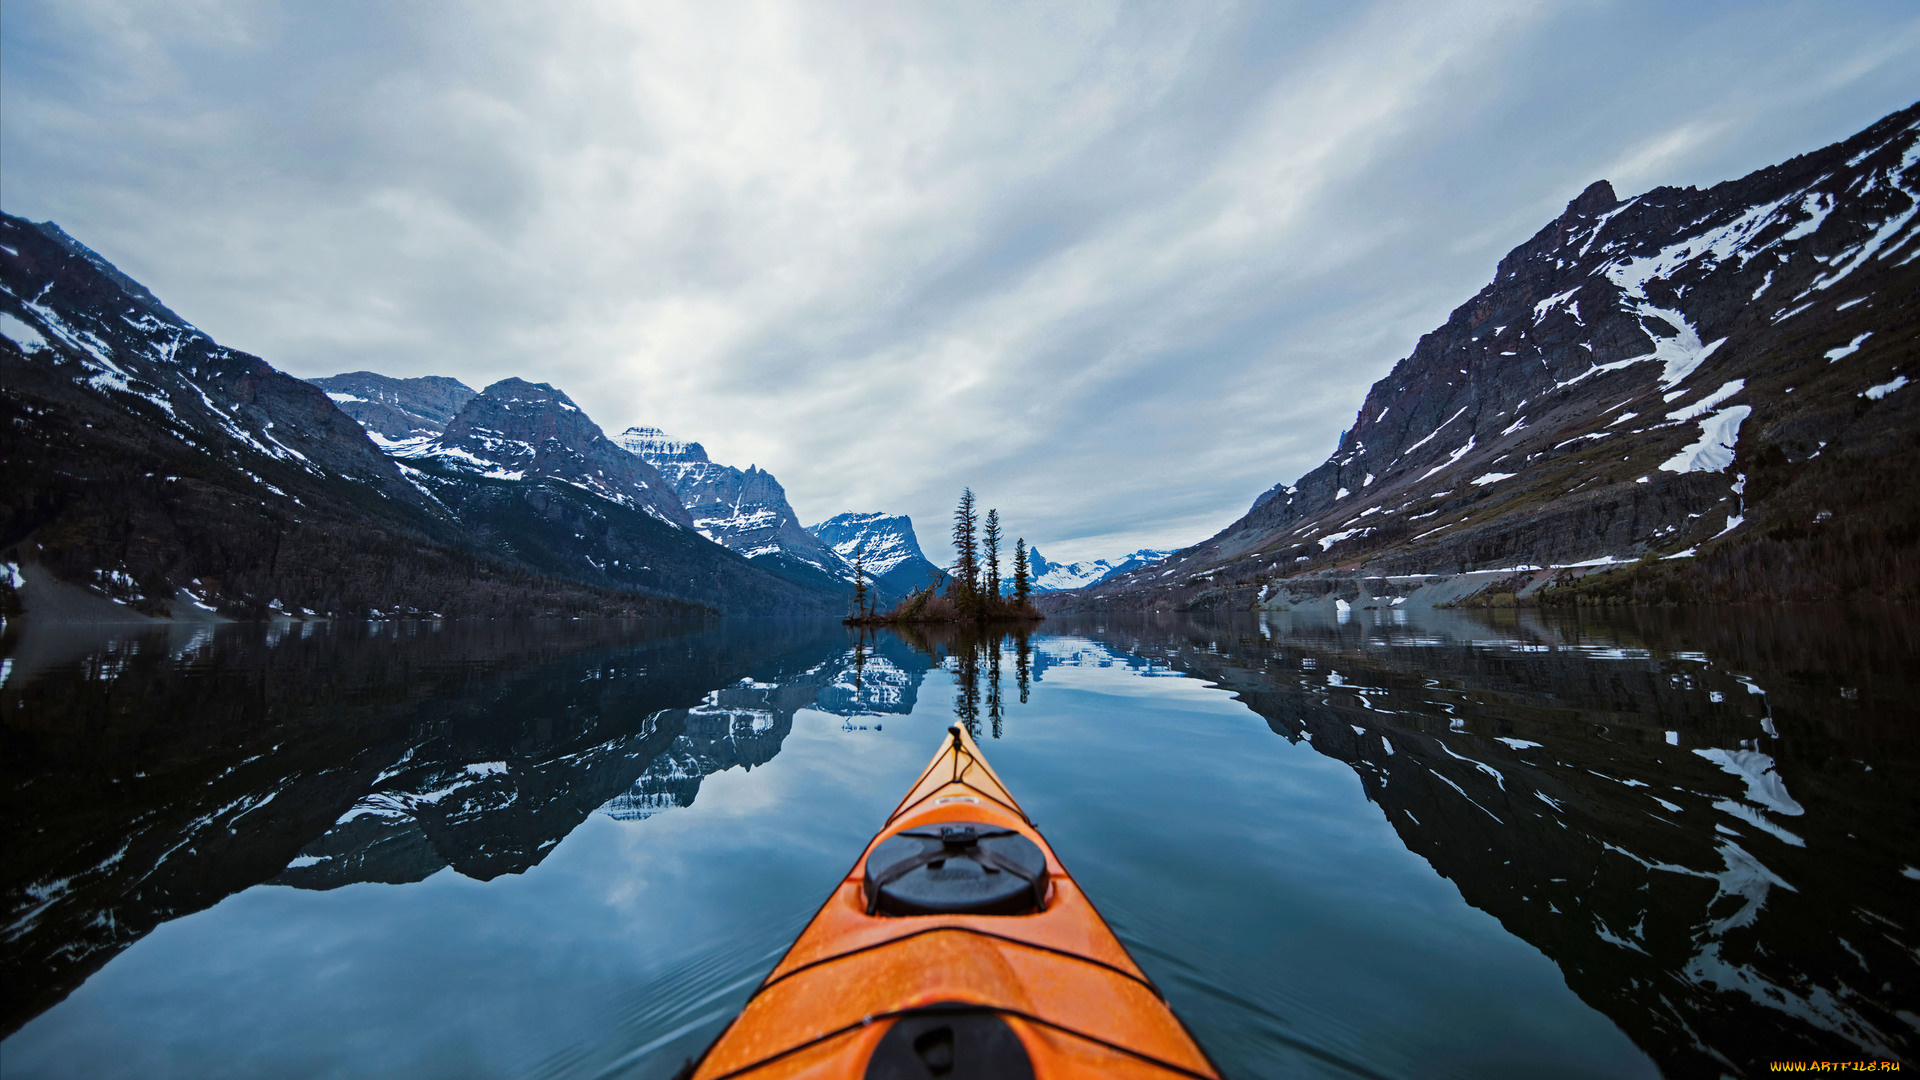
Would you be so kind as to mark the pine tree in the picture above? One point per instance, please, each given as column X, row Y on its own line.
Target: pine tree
column 860, row 586
column 990, row 544
column 1022, row 573
column 966, row 564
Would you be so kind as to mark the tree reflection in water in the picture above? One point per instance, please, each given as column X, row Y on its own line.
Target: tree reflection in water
column 974, row 654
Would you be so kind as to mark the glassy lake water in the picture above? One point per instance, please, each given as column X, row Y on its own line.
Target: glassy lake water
column 1386, row 847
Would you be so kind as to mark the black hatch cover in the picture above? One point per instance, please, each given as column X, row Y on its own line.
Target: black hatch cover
column 953, row 1042
column 956, row 867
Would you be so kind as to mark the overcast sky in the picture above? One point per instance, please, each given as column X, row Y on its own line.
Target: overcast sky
column 1119, row 268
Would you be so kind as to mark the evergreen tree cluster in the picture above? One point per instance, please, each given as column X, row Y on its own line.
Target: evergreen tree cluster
column 975, row 591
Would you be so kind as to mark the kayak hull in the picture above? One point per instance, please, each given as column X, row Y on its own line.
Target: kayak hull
column 1057, row 977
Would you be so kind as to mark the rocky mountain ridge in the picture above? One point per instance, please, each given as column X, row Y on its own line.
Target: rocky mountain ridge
column 395, row 410
column 1717, row 378
column 522, row 467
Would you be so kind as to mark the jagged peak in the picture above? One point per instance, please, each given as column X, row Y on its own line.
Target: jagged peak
column 515, row 390
column 437, row 382
column 858, row 517
column 1598, row 198
column 656, row 446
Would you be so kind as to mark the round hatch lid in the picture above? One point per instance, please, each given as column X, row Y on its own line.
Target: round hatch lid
column 956, row 867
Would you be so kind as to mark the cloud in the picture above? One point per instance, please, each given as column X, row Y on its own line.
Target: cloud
column 1118, row 267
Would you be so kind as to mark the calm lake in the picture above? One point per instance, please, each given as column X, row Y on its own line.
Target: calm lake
column 1391, row 846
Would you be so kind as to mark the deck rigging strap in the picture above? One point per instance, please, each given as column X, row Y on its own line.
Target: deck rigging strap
column 957, row 777
column 975, row 931
column 957, row 1009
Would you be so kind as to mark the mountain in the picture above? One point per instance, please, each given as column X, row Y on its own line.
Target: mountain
column 517, row 430
column 394, row 410
column 1715, row 378
column 1057, row 577
column 166, row 474
column 526, row 472
column 746, row 511
column 886, row 543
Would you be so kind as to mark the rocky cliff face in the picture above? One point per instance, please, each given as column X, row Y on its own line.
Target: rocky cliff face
column 746, row 510
column 68, row 316
column 886, row 546
column 395, row 410
column 1719, row 374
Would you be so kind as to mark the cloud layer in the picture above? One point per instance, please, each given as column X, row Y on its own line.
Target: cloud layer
column 1117, row 267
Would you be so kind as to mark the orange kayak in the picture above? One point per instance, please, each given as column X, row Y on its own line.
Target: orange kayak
column 958, row 946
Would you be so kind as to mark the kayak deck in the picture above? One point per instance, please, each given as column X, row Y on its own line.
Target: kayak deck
column 1056, row 977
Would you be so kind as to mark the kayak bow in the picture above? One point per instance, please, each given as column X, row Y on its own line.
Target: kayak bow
column 957, row 946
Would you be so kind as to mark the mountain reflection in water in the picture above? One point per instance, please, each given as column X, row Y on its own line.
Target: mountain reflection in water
column 1707, row 822
column 151, row 776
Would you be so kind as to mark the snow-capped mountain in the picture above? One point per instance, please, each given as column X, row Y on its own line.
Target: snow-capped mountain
column 1717, row 374
column 1051, row 576
column 252, row 494
column 887, row 546
column 516, row 430
column 394, row 410
column 746, row 510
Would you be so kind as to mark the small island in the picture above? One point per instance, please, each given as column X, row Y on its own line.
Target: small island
column 971, row 593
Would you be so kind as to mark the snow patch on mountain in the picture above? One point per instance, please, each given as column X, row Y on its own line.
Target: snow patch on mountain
column 1719, row 434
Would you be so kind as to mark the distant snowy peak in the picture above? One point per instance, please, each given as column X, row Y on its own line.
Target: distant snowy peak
column 1050, row 576
column 397, row 409
column 885, row 543
column 746, row 510
column 517, row 430
column 660, row 451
